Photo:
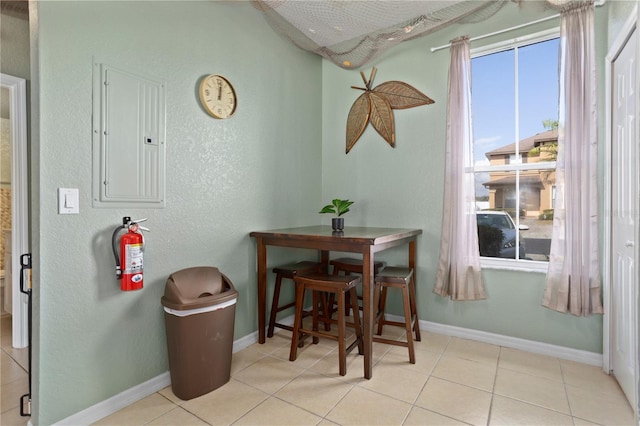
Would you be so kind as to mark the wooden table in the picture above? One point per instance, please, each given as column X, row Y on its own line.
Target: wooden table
column 363, row 240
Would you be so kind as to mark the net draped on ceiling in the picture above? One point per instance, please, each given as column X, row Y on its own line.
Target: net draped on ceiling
column 353, row 33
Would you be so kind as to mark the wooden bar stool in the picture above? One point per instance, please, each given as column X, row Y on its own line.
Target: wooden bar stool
column 287, row 271
column 402, row 278
column 348, row 266
column 339, row 286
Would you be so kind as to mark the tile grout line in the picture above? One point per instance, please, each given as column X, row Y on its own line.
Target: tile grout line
column 530, row 403
column 273, row 394
column 309, row 368
column 413, row 404
column 493, row 388
column 438, row 356
column 566, row 392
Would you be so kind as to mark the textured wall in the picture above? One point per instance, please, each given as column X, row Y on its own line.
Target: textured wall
column 225, row 178
column 5, row 223
column 403, row 186
column 14, row 33
column 272, row 165
column 619, row 12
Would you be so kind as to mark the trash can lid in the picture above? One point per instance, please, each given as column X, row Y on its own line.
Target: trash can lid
column 194, row 287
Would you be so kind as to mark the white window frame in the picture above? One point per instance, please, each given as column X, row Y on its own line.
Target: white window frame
column 494, row 262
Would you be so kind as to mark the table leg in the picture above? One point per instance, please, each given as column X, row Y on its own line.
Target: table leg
column 262, row 289
column 367, row 310
column 324, row 259
column 412, row 257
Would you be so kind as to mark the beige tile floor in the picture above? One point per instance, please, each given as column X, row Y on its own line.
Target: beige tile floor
column 14, row 380
column 454, row 382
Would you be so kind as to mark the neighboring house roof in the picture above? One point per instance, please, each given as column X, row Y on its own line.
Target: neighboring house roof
column 527, row 144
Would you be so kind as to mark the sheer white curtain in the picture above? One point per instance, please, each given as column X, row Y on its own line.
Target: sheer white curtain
column 459, row 275
column 573, row 280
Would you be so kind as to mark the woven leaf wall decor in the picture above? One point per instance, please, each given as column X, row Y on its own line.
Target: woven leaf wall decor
column 376, row 106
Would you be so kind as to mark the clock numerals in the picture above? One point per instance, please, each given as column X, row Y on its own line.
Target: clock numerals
column 219, row 89
column 218, row 96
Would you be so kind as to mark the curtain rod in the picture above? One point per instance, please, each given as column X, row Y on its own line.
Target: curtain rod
column 433, row 49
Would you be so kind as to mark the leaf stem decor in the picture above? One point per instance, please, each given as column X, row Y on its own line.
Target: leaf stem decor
column 376, row 106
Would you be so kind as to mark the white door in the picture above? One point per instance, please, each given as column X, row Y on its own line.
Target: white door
column 17, row 113
column 624, row 226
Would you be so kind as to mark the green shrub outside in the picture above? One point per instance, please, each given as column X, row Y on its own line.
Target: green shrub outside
column 546, row 215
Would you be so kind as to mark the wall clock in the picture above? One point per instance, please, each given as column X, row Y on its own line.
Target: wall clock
column 218, row 97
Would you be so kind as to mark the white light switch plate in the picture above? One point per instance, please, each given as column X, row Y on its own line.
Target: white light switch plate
column 68, row 201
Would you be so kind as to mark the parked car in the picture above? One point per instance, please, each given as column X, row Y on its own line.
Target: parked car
column 497, row 235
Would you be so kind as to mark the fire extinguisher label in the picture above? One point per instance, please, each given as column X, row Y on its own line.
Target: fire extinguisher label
column 134, row 257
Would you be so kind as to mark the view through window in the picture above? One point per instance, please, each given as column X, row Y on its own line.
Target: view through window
column 515, row 125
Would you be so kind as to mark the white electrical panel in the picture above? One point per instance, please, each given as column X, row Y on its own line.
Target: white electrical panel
column 128, row 139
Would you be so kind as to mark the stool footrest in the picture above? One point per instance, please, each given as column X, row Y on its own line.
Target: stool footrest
column 379, row 339
column 284, row 326
column 306, row 332
column 287, row 306
column 396, row 323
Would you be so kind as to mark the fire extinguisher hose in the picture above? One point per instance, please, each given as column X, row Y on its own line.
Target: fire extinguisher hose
column 114, row 244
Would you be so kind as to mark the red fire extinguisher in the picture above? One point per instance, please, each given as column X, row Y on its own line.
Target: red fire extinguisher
column 130, row 260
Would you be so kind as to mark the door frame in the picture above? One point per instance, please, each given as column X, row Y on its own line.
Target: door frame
column 17, row 88
column 629, row 26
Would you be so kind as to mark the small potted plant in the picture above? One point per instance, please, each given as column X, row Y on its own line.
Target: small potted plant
column 337, row 207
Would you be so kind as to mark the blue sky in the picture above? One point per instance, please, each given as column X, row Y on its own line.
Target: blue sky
column 493, row 95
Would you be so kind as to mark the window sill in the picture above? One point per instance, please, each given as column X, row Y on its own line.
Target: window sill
column 514, row 265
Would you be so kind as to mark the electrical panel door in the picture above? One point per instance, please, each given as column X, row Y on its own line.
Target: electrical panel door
column 129, row 139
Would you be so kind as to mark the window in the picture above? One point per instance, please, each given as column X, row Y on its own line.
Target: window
column 515, row 124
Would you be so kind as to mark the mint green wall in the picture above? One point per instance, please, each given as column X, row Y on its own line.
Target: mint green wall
column 272, row 165
column 403, row 186
column 619, row 12
column 259, row 169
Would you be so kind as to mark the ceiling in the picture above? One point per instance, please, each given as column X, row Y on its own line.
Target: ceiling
column 351, row 33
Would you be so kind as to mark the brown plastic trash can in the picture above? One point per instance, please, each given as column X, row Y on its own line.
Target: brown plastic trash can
column 199, row 311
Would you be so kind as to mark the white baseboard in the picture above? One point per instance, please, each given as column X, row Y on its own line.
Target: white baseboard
column 138, row 392
column 118, row 402
column 577, row 355
column 245, row 341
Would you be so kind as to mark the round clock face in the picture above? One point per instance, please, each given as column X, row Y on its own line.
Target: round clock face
column 218, row 96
